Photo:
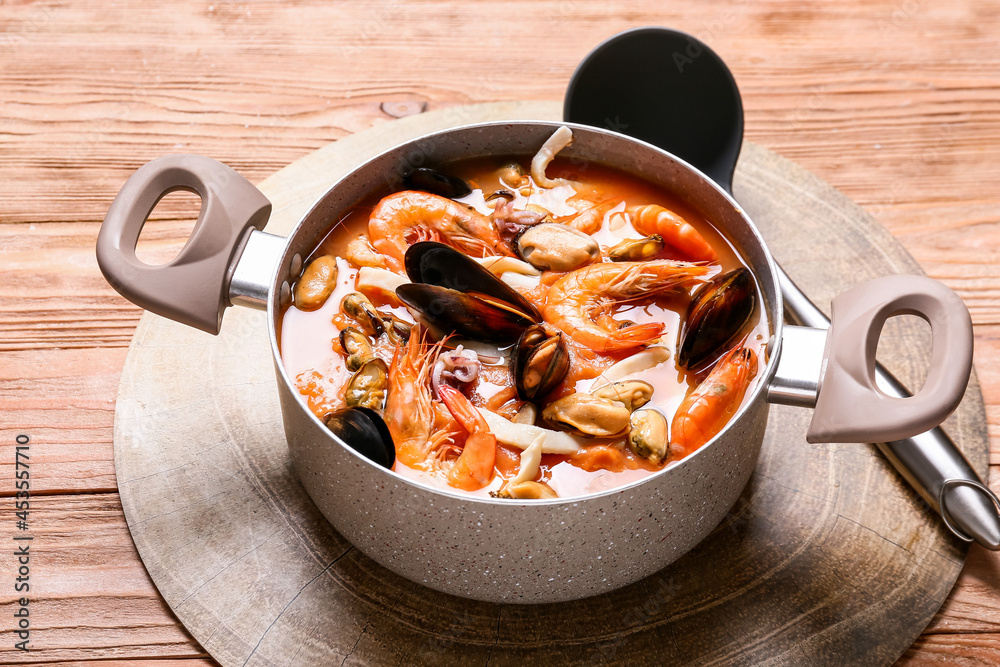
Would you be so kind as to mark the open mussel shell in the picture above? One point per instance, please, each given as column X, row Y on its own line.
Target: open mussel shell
column 438, row 264
column 718, row 311
column 365, row 432
column 437, row 183
column 470, row 314
column 539, row 362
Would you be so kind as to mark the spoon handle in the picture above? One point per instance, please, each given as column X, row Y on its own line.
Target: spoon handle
column 930, row 462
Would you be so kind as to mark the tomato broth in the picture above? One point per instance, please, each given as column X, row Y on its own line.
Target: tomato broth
column 315, row 360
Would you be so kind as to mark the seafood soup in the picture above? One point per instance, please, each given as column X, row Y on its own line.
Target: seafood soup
column 527, row 327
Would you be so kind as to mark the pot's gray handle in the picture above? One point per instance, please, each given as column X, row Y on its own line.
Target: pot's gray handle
column 850, row 407
column 194, row 287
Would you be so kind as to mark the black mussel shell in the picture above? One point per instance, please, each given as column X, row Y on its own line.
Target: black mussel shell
column 471, row 314
column 718, row 311
column 539, row 362
column 438, row 264
column 365, row 432
column 437, row 183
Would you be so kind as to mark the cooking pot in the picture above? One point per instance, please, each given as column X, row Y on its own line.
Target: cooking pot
column 538, row 550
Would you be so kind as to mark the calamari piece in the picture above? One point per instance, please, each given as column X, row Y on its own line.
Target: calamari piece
column 651, row 357
column 501, row 265
column 520, row 282
column 379, row 281
column 559, row 140
column 531, row 458
column 522, row 435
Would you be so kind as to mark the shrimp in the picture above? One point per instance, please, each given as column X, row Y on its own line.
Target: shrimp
column 590, row 220
column 708, row 408
column 360, row 253
column 579, row 302
column 474, row 468
column 675, row 230
column 409, row 216
column 409, row 412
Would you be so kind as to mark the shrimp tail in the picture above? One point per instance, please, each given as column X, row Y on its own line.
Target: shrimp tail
column 706, row 410
column 675, row 230
column 461, row 409
column 634, row 336
column 475, row 465
column 591, row 220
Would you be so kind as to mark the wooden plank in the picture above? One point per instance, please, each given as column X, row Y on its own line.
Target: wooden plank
column 62, row 400
column 90, row 596
column 951, row 649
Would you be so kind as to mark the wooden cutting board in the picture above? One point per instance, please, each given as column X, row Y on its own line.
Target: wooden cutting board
column 827, row 557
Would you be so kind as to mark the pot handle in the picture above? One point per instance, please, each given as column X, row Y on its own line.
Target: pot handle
column 194, row 287
column 850, row 407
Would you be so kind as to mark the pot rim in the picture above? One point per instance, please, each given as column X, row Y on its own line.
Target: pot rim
column 773, row 346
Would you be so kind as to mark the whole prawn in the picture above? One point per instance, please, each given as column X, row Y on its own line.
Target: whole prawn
column 475, row 465
column 672, row 228
column 420, row 438
column 708, row 408
column 580, row 302
column 405, row 217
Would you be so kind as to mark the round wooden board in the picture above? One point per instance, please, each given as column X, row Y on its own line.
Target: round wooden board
column 827, row 558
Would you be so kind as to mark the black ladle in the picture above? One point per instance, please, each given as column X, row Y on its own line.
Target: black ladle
column 670, row 89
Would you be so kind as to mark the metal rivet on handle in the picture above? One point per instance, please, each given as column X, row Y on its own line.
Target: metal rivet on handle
column 285, row 294
column 295, row 270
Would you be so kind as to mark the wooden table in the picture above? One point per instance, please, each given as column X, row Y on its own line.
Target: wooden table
column 897, row 104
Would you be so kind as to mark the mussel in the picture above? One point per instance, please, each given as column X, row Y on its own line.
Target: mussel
column 633, row 394
column 636, row 250
column 455, row 294
column 364, row 431
column 556, row 247
column 526, row 414
column 539, row 362
column 502, row 193
column 511, row 173
column 648, row 435
column 317, row 283
column 525, row 491
column 357, row 346
column 368, row 386
column 437, row 183
column 589, row 415
column 357, row 306
column 718, row 311
column 396, row 328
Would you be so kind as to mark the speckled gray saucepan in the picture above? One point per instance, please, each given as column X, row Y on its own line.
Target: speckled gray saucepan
column 531, row 551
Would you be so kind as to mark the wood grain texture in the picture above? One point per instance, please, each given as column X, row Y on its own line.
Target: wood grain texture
column 895, row 103
column 90, row 596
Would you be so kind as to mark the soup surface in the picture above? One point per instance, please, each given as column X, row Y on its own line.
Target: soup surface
column 619, row 274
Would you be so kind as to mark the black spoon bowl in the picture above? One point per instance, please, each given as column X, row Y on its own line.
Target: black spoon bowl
column 666, row 88
column 670, row 89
